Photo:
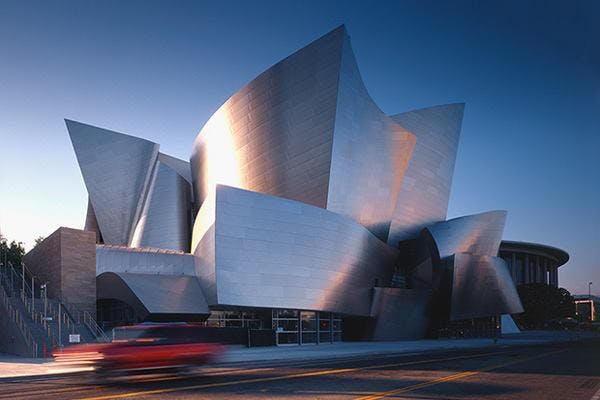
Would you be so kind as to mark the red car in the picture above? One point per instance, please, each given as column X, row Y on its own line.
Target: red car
column 146, row 347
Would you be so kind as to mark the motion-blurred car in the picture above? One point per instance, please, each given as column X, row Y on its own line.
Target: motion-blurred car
column 146, row 347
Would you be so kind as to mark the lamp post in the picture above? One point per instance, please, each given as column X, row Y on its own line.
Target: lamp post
column 590, row 290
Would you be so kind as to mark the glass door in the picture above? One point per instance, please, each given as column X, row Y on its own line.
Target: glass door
column 285, row 323
column 308, row 324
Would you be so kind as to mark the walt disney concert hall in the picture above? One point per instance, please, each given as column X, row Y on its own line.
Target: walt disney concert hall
column 303, row 208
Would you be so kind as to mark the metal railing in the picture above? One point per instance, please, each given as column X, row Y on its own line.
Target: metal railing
column 18, row 320
column 67, row 316
column 93, row 326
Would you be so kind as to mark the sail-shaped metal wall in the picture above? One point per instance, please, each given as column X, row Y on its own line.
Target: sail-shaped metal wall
column 116, row 170
column 165, row 219
column 307, row 130
column 477, row 234
column 468, row 277
column 481, row 286
column 274, row 135
column 369, row 155
column 425, row 190
column 257, row 250
column 137, row 196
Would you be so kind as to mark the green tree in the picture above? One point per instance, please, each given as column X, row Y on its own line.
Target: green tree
column 12, row 253
column 543, row 303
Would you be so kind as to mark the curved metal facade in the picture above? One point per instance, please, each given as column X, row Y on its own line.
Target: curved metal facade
column 274, row 136
column 468, row 278
column 307, row 130
column 116, row 170
column 303, row 190
column 369, row 156
column 155, row 295
column 278, row 253
column 425, row 190
column 143, row 261
column 482, row 286
column 477, row 234
column 165, row 219
column 91, row 224
column 137, row 196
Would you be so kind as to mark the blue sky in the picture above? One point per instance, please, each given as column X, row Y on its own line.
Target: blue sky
column 528, row 71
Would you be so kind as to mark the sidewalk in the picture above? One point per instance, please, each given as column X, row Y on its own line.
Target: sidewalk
column 356, row 349
column 12, row 366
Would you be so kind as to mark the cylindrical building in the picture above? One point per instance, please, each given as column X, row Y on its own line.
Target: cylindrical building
column 533, row 262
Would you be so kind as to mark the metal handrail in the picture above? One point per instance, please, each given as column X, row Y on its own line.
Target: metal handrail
column 93, row 326
column 67, row 313
column 16, row 317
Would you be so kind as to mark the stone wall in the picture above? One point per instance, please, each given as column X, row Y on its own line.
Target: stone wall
column 44, row 261
column 67, row 261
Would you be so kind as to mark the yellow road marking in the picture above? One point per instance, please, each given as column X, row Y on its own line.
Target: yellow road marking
column 44, row 392
column 282, row 377
column 453, row 377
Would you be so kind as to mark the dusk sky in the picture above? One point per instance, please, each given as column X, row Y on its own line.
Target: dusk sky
column 529, row 73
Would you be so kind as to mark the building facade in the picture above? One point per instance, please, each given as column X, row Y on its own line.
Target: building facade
column 533, row 262
column 303, row 208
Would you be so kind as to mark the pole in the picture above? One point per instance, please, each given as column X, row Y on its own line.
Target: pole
column 32, row 298
column 46, row 301
column 59, row 327
column 23, row 282
column 590, row 290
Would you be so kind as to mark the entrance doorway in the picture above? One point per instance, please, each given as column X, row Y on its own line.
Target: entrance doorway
column 306, row 327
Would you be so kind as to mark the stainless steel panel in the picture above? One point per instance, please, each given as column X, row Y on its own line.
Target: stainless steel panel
column 204, row 249
column 370, row 154
column 481, row 287
column 274, row 252
column 180, row 166
column 306, row 129
column 274, row 135
column 425, row 190
column 400, row 314
column 91, row 224
column 143, row 261
column 154, row 294
column 477, row 234
column 165, row 219
column 116, row 169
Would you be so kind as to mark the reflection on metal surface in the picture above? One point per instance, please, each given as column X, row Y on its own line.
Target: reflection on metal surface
column 143, row 261
column 369, row 156
column 165, row 219
column 154, row 294
column 481, row 287
column 468, row 279
column 116, row 169
column 307, row 130
column 425, row 190
column 91, row 223
column 274, row 135
column 274, row 252
column 137, row 196
column 476, row 234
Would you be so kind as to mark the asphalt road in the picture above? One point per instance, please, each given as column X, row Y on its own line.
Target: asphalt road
column 565, row 371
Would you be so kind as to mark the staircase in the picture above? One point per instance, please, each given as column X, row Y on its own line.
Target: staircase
column 43, row 323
